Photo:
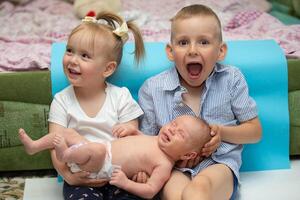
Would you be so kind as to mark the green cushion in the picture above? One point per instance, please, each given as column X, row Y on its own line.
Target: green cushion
column 294, row 74
column 16, row 159
column 29, row 87
column 295, row 140
column 294, row 108
column 24, row 102
column 13, row 115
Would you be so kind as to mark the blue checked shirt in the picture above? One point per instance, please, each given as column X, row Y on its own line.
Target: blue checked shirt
column 225, row 100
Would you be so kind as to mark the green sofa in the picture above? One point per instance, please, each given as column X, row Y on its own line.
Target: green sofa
column 24, row 102
column 294, row 105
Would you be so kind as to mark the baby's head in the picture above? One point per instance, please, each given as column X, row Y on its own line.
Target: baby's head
column 196, row 44
column 98, row 43
column 184, row 137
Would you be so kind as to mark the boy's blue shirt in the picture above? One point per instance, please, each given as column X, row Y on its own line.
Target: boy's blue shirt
column 225, row 100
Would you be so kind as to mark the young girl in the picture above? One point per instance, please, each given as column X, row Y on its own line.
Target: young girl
column 90, row 105
column 198, row 85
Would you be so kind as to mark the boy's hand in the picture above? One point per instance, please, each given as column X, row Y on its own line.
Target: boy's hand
column 118, row 178
column 189, row 163
column 122, row 130
column 212, row 145
column 140, row 177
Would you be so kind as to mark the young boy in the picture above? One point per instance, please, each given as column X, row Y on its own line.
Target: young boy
column 180, row 139
column 198, row 85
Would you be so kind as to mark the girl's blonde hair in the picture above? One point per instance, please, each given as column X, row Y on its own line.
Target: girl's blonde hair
column 104, row 24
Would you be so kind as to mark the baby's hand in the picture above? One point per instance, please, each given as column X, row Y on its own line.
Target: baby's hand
column 122, row 130
column 190, row 163
column 118, row 178
column 212, row 145
column 140, row 177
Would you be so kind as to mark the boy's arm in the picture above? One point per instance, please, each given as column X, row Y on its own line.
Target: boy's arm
column 244, row 108
column 247, row 132
column 147, row 190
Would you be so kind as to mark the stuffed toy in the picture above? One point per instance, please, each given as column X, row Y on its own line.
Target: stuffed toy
column 83, row 8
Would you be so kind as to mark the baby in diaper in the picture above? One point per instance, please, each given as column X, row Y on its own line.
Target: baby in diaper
column 122, row 158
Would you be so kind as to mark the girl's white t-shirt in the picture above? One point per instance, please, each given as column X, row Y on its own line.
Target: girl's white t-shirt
column 118, row 107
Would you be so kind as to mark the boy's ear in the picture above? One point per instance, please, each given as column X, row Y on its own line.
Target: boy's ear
column 223, row 51
column 169, row 52
column 110, row 68
column 190, row 155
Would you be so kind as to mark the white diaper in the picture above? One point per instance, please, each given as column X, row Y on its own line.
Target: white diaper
column 107, row 168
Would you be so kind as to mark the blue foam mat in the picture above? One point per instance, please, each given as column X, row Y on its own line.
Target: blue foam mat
column 265, row 68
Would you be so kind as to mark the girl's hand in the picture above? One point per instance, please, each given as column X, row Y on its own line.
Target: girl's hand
column 190, row 163
column 82, row 179
column 122, row 130
column 118, row 178
column 140, row 177
column 212, row 145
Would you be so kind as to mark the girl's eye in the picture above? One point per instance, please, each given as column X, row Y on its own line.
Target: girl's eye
column 183, row 42
column 203, row 42
column 69, row 51
column 85, row 55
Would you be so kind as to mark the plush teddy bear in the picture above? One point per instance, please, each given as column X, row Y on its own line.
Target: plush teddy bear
column 84, row 7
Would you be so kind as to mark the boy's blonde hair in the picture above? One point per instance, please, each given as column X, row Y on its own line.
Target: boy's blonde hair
column 196, row 10
column 109, row 22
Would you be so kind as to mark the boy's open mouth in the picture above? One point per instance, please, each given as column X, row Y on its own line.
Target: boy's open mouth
column 194, row 68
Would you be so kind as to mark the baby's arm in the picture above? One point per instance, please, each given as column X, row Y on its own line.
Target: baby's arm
column 147, row 190
column 125, row 129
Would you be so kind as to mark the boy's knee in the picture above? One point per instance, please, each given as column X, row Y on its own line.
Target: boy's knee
column 198, row 188
column 170, row 194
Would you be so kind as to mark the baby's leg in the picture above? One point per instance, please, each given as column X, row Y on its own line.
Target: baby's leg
column 60, row 147
column 72, row 137
column 34, row 146
column 90, row 157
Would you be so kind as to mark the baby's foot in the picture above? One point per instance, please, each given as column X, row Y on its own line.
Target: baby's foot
column 60, row 147
column 28, row 143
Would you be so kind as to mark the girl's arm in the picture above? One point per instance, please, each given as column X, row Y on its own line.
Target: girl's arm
column 127, row 128
column 79, row 178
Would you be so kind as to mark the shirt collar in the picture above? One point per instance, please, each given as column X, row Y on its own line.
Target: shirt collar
column 172, row 81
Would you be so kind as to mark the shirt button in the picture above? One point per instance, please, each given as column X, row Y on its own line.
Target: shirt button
column 181, row 104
